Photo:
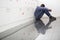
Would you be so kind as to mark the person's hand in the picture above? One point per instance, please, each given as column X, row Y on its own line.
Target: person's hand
column 50, row 10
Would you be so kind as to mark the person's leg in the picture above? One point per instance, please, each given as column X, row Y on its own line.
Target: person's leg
column 48, row 14
column 39, row 15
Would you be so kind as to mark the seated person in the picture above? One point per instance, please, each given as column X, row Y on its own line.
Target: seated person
column 40, row 10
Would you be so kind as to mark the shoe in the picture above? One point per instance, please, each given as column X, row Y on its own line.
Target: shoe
column 52, row 18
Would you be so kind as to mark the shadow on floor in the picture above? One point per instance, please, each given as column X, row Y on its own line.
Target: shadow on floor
column 41, row 27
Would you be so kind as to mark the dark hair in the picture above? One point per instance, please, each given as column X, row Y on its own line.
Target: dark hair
column 42, row 5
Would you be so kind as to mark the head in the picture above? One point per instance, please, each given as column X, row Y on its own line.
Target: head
column 42, row 5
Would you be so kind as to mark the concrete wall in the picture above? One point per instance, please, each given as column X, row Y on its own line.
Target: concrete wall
column 14, row 10
column 52, row 4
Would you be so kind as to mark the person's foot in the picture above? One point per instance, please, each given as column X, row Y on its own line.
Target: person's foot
column 52, row 18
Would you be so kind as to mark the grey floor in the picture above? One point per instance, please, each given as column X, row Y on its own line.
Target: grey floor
column 38, row 30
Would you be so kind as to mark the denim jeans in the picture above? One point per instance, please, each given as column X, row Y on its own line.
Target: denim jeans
column 40, row 12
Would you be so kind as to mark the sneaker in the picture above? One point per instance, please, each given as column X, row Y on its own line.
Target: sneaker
column 52, row 18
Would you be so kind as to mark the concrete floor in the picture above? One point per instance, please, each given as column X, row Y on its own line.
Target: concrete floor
column 38, row 30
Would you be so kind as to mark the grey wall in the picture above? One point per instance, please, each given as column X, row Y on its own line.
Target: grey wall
column 14, row 10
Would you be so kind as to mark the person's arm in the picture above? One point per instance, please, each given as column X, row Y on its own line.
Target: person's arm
column 49, row 10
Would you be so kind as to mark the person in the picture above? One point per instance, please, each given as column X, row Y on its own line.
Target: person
column 40, row 10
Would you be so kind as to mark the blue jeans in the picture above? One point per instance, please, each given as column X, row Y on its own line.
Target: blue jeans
column 39, row 14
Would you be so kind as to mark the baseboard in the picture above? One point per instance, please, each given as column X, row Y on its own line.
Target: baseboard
column 13, row 29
